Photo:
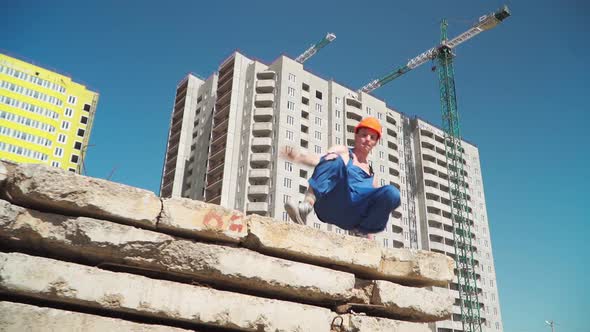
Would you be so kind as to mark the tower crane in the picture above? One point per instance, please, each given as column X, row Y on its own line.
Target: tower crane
column 313, row 49
column 462, row 236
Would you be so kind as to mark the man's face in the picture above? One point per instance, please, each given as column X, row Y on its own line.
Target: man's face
column 365, row 139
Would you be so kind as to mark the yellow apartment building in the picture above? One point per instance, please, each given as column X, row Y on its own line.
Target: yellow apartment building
column 45, row 117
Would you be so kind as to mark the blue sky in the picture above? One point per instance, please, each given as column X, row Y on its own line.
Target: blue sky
column 522, row 93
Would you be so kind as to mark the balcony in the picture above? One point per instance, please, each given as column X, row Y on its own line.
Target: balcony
column 218, row 139
column 168, row 179
column 305, row 118
column 393, row 157
column 426, row 132
column 392, row 146
column 171, row 164
column 390, row 120
column 264, row 100
column 177, row 115
column 175, row 127
column 352, row 120
column 353, row 102
column 438, row 205
column 436, row 191
column 350, row 127
column 304, row 94
column 434, row 217
column 260, row 174
column 215, row 167
column 262, row 129
column 354, row 114
column 439, row 142
column 396, row 229
column 224, row 98
column 303, row 182
column 429, row 140
column 265, row 86
column 305, row 103
column 167, row 191
column 439, row 232
column 398, row 237
column 450, row 246
column 259, row 191
column 221, row 113
column 266, row 75
column 429, row 155
column 214, row 200
column 428, row 146
column 433, row 178
column 440, row 151
column 350, row 136
column 261, row 144
column 437, row 246
column 179, row 102
column 174, row 136
column 431, row 164
column 226, row 86
column 225, row 75
column 213, row 181
column 221, row 125
column 216, row 153
column 182, row 87
column 172, row 151
column 257, row 207
column 393, row 172
column 260, row 159
column 263, row 114
column 391, row 133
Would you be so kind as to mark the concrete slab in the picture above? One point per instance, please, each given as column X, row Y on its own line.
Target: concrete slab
column 196, row 219
column 415, row 267
column 411, row 303
column 51, row 189
column 62, row 282
column 17, row 317
column 356, row 323
column 363, row 257
column 99, row 241
column 404, row 303
column 311, row 245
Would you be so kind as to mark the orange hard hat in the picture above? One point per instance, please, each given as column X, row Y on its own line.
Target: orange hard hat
column 371, row 123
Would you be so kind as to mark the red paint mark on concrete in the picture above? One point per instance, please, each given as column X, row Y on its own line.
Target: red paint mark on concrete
column 236, row 227
column 210, row 216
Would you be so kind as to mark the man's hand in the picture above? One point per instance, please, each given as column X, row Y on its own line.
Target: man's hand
column 294, row 155
column 290, row 153
column 337, row 151
column 331, row 156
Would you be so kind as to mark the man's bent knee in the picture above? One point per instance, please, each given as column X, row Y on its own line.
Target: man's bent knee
column 392, row 196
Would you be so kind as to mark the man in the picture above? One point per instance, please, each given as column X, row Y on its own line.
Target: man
column 342, row 189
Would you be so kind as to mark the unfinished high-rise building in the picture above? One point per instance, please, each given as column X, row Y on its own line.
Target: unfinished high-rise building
column 226, row 132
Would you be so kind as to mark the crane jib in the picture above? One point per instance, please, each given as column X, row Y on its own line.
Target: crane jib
column 484, row 23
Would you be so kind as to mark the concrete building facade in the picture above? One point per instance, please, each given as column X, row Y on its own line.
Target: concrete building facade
column 45, row 117
column 226, row 132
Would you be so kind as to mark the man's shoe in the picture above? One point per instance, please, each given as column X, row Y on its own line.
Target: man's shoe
column 298, row 212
